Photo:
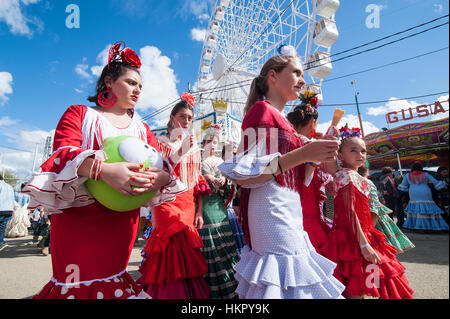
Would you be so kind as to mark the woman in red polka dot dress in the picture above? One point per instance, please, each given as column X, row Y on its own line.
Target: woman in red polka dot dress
column 91, row 244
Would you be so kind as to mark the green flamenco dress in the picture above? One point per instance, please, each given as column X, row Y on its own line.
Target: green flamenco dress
column 219, row 248
column 386, row 225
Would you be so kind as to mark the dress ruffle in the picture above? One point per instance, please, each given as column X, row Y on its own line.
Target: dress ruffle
column 353, row 270
column 18, row 225
column 58, row 191
column 202, row 188
column 425, row 207
column 167, row 261
column 248, row 166
column 219, row 251
column 424, row 216
column 238, row 233
column 191, row 288
column 271, row 276
column 121, row 286
column 394, row 235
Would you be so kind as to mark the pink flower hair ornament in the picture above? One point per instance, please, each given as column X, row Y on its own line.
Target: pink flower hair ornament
column 347, row 132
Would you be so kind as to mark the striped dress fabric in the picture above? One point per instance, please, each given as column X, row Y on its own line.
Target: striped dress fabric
column 385, row 224
column 219, row 248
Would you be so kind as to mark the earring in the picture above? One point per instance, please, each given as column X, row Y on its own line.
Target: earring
column 107, row 98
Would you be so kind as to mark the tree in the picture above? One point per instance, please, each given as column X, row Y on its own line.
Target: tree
column 10, row 177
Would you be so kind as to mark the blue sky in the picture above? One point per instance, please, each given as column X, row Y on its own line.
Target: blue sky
column 46, row 66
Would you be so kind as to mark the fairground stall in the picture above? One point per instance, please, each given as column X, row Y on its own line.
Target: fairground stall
column 401, row 146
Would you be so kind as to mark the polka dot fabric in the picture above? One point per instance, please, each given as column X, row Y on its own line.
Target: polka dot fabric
column 119, row 287
column 282, row 263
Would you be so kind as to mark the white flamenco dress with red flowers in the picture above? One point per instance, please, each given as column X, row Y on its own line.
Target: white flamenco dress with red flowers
column 90, row 244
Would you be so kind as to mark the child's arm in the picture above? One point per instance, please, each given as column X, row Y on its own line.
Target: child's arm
column 366, row 250
column 198, row 220
column 374, row 218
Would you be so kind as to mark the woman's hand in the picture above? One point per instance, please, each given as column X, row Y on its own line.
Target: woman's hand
column 198, row 220
column 127, row 178
column 370, row 255
column 158, row 177
column 186, row 145
column 219, row 182
column 318, row 136
column 332, row 132
column 320, row 151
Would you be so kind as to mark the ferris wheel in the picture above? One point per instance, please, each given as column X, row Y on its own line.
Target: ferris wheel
column 243, row 34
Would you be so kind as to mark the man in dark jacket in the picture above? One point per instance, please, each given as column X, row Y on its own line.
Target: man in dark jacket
column 389, row 189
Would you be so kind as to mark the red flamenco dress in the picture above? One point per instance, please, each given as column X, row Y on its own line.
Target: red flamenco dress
column 173, row 266
column 313, row 223
column 351, row 205
column 91, row 245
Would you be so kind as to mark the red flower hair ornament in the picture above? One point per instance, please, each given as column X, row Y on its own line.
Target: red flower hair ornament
column 118, row 52
column 187, row 97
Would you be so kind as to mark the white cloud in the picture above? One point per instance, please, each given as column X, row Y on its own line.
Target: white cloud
column 444, row 105
column 78, row 90
column 27, row 2
column 198, row 34
column 198, row 7
column 6, row 121
column 102, row 60
column 21, row 162
column 5, row 86
column 82, row 70
column 159, row 82
column 438, row 8
column 18, row 23
column 352, row 121
column 203, row 17
column 397, row 105
column 393, row 105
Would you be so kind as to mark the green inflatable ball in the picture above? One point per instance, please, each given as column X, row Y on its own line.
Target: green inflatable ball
column 124, row 149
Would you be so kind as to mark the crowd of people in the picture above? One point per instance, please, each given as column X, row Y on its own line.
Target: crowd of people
column 21, row 221
column 418, row 200
column 247, row 222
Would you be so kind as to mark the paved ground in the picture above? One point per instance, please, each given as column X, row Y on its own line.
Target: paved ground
column 24, row 271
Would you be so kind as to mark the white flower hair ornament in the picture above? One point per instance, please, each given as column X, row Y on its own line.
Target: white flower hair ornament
column 289, row 50
column 285, row 49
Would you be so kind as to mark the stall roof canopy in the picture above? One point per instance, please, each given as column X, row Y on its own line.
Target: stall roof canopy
column 415, row 141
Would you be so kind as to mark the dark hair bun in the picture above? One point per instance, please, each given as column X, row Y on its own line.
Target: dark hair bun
column 302, row 115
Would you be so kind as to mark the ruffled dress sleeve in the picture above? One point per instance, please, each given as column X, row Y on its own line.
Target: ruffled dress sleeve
column 258, row 147
column 437, row 184
column 404, row 185
column 57, row 185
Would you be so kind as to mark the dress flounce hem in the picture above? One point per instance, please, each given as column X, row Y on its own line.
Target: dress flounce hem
column 363, row 278
column 168, row 260
column 286, row 276
column 121, row 286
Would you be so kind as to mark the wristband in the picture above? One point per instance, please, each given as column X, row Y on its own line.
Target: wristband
column 279, row 166
column 96, row 170
column 364, row 246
